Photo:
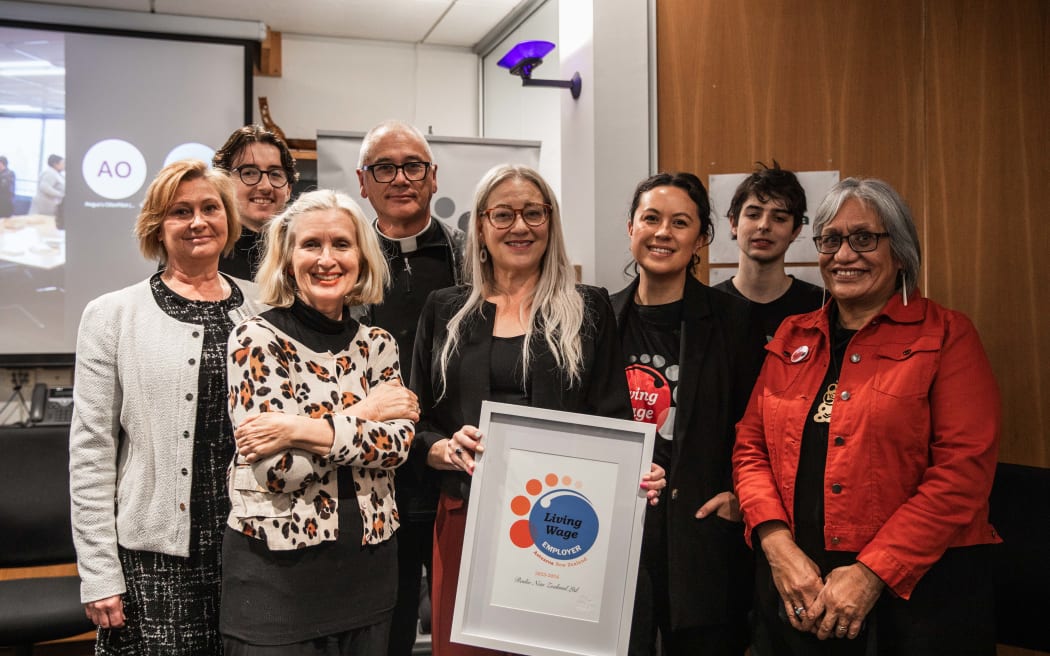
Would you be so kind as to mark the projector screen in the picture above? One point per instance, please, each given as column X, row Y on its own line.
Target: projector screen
column 117, row 109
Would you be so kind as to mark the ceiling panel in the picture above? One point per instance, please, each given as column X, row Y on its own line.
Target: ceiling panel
column 459, row 23
column 468, row 21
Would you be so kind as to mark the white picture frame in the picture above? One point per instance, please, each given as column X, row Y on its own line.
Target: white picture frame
column 553, row 533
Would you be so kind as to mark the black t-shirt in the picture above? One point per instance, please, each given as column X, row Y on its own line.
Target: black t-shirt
column 506, row 371
column 651, row 340
column 801, row 297
column 810, row 483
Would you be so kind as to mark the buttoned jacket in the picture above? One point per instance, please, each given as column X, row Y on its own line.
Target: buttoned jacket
column 131, row 438
column 912, row 443
column 719, row 356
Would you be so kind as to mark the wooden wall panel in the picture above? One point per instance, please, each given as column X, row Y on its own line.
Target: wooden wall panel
column 944, row 99
column 808, row 83
column 988, row 181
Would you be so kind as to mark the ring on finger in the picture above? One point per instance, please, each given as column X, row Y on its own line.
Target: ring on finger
column 842, row 628
column 799, row 610
column 459, row 451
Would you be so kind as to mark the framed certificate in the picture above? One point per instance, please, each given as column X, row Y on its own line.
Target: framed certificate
column 554, row 529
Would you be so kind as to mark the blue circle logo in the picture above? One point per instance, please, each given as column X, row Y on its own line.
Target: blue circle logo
column 563, row 524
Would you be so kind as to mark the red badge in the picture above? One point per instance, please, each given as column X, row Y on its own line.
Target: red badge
column 800, row 354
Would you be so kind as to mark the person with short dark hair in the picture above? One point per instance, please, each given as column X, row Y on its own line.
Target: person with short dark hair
column 692, row 355
column 765, row 217
column 263, row 172
column 398, row 176
column 7, row 189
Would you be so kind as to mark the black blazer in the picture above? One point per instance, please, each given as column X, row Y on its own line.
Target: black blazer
column 719, row 358
column 601, row 391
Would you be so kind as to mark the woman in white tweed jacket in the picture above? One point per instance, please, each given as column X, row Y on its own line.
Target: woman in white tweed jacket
column 150, row 440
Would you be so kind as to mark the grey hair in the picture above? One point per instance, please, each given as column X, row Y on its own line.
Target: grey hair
column 373, row 135
column 882, row 199
column 277, row 284
column 555, row 310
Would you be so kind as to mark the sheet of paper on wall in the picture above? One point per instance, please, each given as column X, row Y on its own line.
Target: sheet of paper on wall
column 723, row 250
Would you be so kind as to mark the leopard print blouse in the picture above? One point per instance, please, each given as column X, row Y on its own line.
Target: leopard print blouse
column 290, row 500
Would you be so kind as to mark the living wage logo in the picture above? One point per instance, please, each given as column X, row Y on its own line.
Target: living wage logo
column 559, row 521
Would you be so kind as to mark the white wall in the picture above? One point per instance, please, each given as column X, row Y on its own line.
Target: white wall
column 513, row 112
column 345, row 84
column 601, row 140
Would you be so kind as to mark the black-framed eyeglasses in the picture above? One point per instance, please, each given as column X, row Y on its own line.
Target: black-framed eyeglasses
column 503, row 216
column 413, row 171
column 251, row 175
column 860, row 242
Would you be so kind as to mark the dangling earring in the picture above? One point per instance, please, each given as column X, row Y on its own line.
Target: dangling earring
column 484, row 255
column 904, row 287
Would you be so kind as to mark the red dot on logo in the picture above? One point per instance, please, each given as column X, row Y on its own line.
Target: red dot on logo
column 519, row 534
column 552, row 480
column 533, row 487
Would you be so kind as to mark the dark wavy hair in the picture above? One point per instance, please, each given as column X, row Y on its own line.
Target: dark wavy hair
column 770, row 184
column 693, row 188
column 249, row 134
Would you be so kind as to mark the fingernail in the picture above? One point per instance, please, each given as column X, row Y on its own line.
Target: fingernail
column 644, row 485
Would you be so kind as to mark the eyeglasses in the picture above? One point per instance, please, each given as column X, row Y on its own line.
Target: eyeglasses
column 503, row 216
column 414, row 171
column 860, row 242
column 251, row 175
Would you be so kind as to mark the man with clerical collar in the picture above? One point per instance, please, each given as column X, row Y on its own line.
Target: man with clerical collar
column 398, row 176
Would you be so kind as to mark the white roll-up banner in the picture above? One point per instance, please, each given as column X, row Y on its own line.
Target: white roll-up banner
column 461, row 162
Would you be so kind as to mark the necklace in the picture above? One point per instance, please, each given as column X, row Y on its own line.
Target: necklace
column 823, row 413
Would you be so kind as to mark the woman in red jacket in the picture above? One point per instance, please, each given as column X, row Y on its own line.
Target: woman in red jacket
column 865, row 458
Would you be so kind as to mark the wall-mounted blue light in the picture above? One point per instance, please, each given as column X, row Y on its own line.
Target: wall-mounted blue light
column 526, row 56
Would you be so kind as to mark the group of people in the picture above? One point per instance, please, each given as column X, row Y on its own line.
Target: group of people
column 50, row 190
column 274, row 435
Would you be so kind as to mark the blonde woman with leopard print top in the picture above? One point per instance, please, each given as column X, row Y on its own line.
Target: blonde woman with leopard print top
column 321, row 421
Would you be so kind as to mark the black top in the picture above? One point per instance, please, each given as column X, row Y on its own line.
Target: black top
column 809, row 485
column 247, row 253
column 506, row 375
column 719, row 356
column 651, row 336
column 601, row 391
column 800, row 297
column 281, row 597
column 418, row 265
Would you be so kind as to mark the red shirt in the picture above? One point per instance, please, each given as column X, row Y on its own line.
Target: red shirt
column 912, row 444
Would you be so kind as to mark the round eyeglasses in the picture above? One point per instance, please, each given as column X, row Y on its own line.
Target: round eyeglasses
column 251, row 175
column 413, row 171
column 860, row 242
column 503, row 216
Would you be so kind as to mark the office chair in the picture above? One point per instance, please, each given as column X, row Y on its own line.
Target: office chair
column 35, row 528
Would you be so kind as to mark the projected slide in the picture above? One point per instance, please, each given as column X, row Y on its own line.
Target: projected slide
column 114, row 110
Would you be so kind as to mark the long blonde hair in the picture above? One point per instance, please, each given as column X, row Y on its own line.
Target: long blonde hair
column 554, row 304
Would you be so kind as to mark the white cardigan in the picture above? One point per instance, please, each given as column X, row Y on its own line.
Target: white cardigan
column 134, row 410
